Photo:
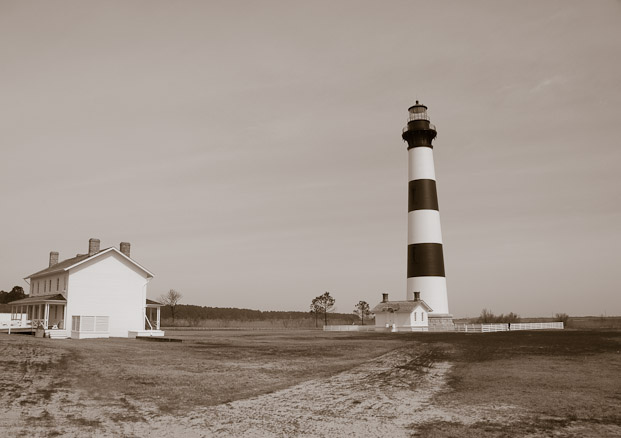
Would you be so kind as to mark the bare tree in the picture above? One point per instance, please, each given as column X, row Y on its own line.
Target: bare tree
column 171, row 299
column 362, row 309
column 487, row 316
column 324, row 304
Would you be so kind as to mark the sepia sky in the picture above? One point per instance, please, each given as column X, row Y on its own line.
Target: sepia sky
column 251, row 152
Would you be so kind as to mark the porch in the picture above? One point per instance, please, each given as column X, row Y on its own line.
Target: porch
column 46, row 313
column 151, row 321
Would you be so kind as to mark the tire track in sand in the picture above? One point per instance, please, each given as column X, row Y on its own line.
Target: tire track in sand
column 382, row 397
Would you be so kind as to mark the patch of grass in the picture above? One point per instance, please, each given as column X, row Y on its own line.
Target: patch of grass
column 43, row 419
column 551, row 379
column 46, row 393
column 127, row 418
column 537, row 426
column 486, row 429
column 480, row 347
column 425, row 360
column 84, row 422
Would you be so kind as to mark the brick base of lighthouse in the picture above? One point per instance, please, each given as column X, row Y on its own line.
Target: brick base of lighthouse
column 441, row 322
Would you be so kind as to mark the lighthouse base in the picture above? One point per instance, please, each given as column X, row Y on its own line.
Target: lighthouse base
column 441, row 322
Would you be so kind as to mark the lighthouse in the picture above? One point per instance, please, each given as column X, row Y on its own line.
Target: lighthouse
column 425, row 256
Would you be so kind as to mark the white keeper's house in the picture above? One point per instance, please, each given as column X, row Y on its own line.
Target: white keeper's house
column 100, row 294
column 408, row 315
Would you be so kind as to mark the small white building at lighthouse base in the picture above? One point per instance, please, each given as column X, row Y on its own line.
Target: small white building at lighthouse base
column 410, row 315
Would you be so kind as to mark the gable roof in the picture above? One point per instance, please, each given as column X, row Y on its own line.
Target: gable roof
column 60, row 266
column 400, row 306
column 68, row 264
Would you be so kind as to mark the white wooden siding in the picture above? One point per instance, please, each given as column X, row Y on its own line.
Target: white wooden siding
column 112, row 286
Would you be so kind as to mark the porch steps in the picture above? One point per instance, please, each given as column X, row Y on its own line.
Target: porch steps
column 132, row 334
column 56, row 334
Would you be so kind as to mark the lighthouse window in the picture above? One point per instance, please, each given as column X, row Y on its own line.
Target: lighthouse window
column 57, row 283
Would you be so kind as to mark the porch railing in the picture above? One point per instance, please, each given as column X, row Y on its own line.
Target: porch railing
column 151, row 325
column 146, row 318
column 15, row 323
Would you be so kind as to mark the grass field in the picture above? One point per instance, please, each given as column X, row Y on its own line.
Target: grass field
column 311, row 383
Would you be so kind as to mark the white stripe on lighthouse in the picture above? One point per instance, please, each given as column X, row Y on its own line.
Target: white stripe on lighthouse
column 424, row 227
column 434, row 289
column 420, row 163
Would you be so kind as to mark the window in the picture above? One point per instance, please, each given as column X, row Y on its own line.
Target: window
column 50, row 285
column 45, row 286
column 57, row 283
column 65, row 288
column 38, row 284
column 414, row 316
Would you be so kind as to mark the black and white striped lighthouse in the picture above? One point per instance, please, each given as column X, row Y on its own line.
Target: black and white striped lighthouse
column 425, row 256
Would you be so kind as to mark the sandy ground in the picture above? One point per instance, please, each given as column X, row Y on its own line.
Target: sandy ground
column 404, row 393
column 388, row 396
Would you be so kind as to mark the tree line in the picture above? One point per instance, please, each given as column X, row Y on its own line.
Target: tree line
column 194, row 313
column 17, row 293
column 320, row 307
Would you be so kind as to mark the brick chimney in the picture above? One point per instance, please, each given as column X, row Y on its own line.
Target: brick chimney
column 53, row 258
column 125, row 246
column 416, row 296
column 384, row 298
column 93, row 246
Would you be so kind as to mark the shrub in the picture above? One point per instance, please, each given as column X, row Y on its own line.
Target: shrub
column 488, row 317
column 563, row 317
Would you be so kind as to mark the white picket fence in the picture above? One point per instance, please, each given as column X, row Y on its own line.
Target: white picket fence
column 537, row 325
column 488, row 328
column 481, row 328
column 464, row 328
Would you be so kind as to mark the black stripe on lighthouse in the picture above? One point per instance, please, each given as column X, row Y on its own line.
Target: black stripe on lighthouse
column 425, row 259
column 422, row 195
